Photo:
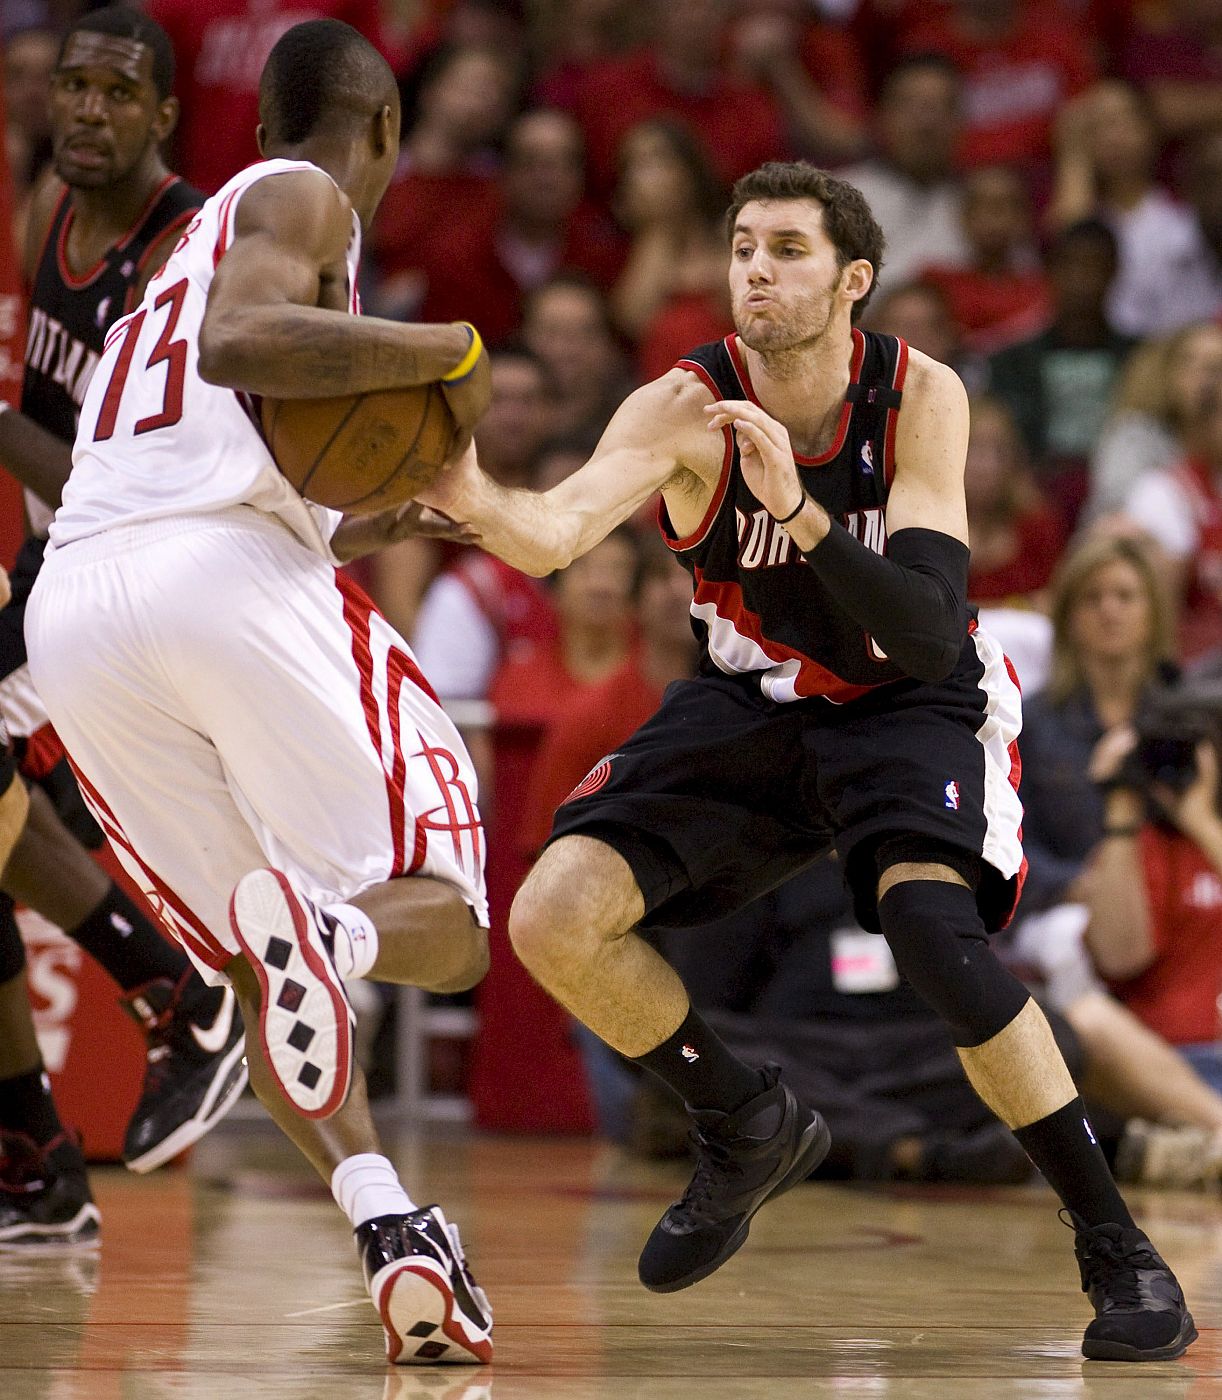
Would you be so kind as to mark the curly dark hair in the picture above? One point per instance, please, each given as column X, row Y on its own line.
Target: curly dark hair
column 847, row 219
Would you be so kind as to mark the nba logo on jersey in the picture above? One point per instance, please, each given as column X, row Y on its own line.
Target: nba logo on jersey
column 867, row 459
column 952, row 796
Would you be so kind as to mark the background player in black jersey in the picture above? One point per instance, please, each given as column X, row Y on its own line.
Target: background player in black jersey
column 99, row 231
column 846, row 697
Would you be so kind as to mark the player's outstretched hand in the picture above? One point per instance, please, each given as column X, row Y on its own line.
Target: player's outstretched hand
column 358, row 535
column 764, row 453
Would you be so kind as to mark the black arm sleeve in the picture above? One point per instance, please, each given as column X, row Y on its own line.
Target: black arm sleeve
column 911, row 600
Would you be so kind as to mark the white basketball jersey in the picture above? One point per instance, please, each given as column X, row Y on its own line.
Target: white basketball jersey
column 154, row 438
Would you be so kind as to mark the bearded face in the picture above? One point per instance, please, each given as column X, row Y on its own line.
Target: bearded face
column 780, row 319
column 785, row 276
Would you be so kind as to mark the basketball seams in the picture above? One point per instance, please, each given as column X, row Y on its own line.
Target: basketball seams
column 320, row 457
column 434, row 396
column 366, row 460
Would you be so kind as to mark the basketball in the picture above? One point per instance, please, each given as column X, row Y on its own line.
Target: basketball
column 361, row 453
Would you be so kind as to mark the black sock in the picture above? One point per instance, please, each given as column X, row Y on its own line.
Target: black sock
column 119, row 937
column 26, row 1106
column 699, row 1068
column 1063, row 1147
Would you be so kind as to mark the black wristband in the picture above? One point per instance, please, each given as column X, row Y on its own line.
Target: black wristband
column 1131, row 830
column 794, row 513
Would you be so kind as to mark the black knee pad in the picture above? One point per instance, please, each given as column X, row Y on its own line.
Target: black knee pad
column 939, row 943
column 12, row 949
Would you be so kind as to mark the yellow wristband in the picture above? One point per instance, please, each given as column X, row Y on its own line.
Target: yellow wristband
column 467, row 363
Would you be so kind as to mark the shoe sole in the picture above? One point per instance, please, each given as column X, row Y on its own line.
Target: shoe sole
column 808, row 1159
column 305, row 1020
column 1118, row 1351
column 83, row 1231
column 416, row 1304
column 223, row 1092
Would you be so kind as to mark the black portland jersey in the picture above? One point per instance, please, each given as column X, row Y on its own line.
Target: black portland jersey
column 69, row 316
column 757, row 606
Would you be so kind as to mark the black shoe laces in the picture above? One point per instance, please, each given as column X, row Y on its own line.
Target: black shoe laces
column 1111, row 1266
column 715, row 1165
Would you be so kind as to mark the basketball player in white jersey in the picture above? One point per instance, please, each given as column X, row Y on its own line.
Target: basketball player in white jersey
column 229, row 701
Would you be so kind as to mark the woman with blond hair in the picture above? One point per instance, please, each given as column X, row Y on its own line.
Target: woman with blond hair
column 1162, row 391
column 1112, row 646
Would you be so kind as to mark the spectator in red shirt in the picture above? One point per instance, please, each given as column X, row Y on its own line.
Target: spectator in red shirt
column 1002, row 294
column 567, row 323
column 221, row 47
column 1155, row 901
column 607, row 713
column 1017, row 537
column 814, row 71
column 681, row 74
column 481, row 263
column 673, row 207
column 1020, row 60
column 444, row 182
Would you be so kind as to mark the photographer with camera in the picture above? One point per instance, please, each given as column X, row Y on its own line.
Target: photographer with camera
column 1112, row 651
column 1154, row 884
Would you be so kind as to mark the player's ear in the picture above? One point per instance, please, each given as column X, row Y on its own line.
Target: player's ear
column 166, row 119
column 383, row 131
column 857, row 279
column 261, row 138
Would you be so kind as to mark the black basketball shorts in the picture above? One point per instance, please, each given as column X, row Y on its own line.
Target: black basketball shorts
column 724, row 794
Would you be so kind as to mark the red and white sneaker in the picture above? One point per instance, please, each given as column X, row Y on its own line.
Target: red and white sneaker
column 432, row 1310
column 306, row 1022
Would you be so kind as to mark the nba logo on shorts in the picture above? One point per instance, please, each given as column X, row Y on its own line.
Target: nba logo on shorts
column 952, row 796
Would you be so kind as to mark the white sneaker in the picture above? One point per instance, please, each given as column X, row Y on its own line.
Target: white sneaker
column 306, row 1022
column 432, row 1309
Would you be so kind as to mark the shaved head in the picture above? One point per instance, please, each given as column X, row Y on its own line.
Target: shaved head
column 322, row 76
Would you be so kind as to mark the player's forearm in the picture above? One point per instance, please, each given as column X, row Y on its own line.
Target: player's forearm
column 1118, row 934
column 521, row 527
column 37, row 458
column 912, row 603
column 306, row 352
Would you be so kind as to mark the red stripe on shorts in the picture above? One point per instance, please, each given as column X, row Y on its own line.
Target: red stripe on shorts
column 358, row 609
column 190, row 929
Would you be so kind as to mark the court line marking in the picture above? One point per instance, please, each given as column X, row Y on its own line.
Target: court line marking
column 328, row 1307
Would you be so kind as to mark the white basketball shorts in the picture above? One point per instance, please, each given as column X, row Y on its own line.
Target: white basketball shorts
column 229, row 701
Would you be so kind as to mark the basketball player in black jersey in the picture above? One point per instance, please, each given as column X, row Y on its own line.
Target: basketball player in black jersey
column 812, row 483
column 99, row 231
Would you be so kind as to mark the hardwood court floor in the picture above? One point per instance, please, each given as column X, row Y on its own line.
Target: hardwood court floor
column 236, row 1279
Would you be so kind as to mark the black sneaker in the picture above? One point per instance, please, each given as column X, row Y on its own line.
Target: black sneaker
column 44, row 1195
column 432, row 1310
column 743, row 1159
column 306, row 1022
column 1140, row 1313
column 196, row 1066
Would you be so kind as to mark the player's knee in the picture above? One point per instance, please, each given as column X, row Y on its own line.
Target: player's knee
column 470, row 956
column 537, row 928
column 938, row 940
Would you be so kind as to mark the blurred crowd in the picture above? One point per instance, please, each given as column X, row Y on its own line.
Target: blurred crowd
column 1048, row 174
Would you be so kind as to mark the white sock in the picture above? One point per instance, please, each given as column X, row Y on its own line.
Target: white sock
column 366, row 1186
column 356, row 940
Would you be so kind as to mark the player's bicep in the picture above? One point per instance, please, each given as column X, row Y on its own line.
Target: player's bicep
column 930, row 453
column 286, row 230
